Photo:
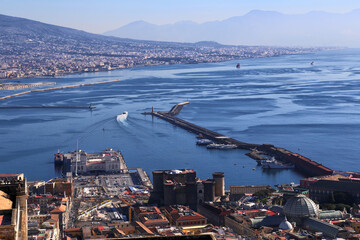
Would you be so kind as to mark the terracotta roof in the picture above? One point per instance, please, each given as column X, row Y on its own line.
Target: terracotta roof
column 72, row 229
column 193, row 217
column 144, row 228
column 182, row 213
column 60, row 209
column 5, row 203
column 55, row 217
column 9, row 174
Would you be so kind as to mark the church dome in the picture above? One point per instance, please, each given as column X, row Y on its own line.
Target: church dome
column 285, row 225
column 299, row 207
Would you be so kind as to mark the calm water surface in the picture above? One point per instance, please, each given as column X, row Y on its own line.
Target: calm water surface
column 313, row 110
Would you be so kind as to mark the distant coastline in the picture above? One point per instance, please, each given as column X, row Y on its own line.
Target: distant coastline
column 102, row 68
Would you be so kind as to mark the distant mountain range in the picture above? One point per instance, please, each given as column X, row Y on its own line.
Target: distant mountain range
column 15, row 30
column 257, row 28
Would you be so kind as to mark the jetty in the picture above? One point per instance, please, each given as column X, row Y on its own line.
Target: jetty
column 302, row 164
column 57, row 88
column 75, row 107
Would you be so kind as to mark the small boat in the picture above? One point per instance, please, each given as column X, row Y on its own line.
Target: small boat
column 238, row 65
column 221, row 146
column 312, row 63
column 122, row 117
column 274, row 164
column 204, row 142
column 200, row 136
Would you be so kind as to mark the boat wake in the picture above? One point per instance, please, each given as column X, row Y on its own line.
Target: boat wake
column 121, row 118
column 122, row 122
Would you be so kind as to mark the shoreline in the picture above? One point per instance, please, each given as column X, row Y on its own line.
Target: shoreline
column 136, row 66
column 160, row 64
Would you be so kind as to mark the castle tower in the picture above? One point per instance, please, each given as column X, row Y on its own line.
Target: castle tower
column 219, row 178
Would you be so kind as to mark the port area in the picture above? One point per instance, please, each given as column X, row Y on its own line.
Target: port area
column 106, row 198
column 257, row 151
column 104, row 188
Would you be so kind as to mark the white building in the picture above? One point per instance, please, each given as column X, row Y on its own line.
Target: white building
column 108, row 160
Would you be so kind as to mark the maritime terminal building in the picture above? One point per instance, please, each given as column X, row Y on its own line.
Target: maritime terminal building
column 82, row 163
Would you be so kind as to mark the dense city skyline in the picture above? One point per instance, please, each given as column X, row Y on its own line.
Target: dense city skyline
column 97, row 17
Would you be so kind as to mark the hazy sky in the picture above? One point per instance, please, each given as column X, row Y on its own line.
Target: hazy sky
column 98, row 16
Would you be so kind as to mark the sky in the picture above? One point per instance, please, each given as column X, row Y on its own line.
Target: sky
column 99, row 16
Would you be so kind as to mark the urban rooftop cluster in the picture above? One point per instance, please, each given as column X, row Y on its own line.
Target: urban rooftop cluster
column 96, row 200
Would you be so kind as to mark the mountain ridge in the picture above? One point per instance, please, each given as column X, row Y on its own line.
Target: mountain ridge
column 257, row 27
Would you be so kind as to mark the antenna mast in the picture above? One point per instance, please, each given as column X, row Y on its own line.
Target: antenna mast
column 77, row 157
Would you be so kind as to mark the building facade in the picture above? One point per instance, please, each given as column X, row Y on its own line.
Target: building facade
column 13, row 190
column 107, row 161
column 181, row 216
column 182, row 187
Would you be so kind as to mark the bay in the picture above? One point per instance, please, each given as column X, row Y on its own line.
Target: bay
column 310, row 109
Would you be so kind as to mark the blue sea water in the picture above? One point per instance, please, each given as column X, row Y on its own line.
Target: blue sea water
column 310, row 109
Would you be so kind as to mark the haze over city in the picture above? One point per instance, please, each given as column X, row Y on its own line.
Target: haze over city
column 193, row 17
column 179, row 119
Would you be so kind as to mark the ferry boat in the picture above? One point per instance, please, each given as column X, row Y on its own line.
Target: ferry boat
column 221, row 146
column 274, row 164
column 122, row 117
column 204, row 142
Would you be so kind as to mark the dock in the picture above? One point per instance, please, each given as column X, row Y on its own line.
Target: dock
column 302, row 164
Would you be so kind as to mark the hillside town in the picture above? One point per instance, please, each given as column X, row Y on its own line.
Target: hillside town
column 36, row 56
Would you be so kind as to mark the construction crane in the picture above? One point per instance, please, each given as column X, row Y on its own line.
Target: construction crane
column 129, row 205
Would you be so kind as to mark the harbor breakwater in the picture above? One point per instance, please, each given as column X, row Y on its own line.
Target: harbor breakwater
column 56, row 88
column 302, row 164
